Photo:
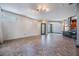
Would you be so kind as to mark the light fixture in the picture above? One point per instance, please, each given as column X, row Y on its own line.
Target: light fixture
column 42, row 8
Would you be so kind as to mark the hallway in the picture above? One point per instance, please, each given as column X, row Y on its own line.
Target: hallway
column 52, row 45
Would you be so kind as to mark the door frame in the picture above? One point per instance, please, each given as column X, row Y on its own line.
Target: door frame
column 43, row 33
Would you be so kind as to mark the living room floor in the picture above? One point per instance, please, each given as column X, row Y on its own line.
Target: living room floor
column 50, row 45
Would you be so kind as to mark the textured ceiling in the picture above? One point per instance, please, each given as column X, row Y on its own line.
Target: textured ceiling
column 57, row 11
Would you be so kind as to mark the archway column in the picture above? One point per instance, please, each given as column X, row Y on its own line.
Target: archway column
column 1, row 32
column 77, row 41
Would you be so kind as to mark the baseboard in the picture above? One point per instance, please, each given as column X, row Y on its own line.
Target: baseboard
column 29, row 37
column 21, row 37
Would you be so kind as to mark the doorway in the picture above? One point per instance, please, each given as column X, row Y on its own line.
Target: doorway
column 55, row 27
column 51, row 28
column 43, row 28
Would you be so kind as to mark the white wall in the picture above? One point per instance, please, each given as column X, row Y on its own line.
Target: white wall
column 57, row 27
column 16, row 26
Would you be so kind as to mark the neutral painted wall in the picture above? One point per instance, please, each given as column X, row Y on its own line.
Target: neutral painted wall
column 56, row 27
column 16, row 26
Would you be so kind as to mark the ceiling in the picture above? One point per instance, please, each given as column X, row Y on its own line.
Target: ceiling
column 58, row 11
